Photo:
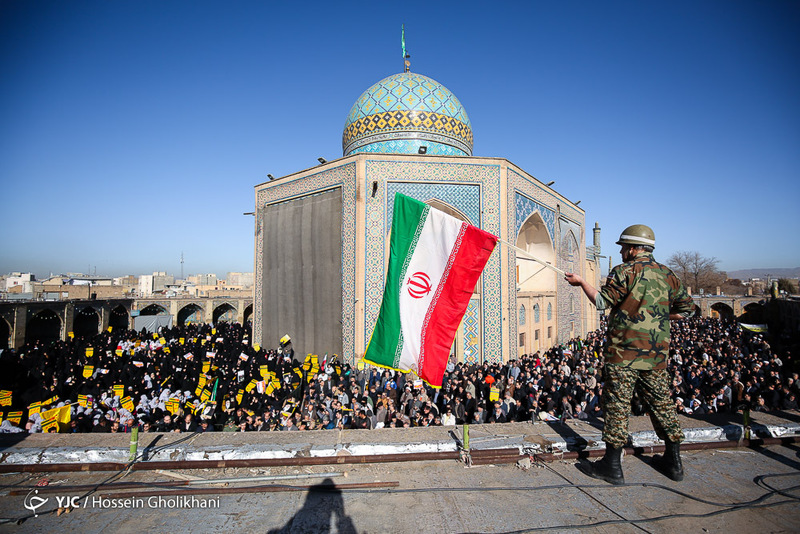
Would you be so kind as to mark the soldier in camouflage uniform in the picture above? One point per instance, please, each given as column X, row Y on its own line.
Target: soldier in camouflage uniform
column 643, row 296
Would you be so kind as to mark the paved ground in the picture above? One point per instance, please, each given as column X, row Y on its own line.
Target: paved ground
column 433, row 496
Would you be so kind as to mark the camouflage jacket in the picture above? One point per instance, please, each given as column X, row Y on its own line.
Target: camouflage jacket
column 641, row 294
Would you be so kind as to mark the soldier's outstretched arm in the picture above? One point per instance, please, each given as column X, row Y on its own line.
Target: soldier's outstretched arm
column 575, row 280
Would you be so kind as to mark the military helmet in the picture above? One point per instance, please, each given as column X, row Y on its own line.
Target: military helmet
column 637, row 235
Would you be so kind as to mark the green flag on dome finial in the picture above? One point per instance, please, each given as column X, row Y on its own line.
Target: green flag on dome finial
column 406, row 57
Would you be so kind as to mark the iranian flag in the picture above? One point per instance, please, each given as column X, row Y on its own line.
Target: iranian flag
column 434, row 263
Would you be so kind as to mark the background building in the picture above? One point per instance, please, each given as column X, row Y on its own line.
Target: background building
column 153, row 283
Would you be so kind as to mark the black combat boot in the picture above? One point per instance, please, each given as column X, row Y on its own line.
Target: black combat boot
column 607, row 468
column 670, row 463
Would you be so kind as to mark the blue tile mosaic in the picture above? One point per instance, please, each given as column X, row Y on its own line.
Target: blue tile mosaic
column 526, row 206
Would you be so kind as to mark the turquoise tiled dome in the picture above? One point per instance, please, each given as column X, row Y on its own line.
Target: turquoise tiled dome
column 403, row 112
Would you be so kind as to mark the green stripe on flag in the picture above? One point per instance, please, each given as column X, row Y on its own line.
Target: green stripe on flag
column 386, row 344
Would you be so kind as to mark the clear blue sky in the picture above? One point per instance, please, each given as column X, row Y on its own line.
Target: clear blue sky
column 132, row 131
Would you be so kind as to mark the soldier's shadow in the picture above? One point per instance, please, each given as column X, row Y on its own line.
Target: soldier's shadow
column 322, row 512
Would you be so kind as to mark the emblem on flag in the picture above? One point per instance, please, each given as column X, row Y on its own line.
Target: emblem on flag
column 419, row 285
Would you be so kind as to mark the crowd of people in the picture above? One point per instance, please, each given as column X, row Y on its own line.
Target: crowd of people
column 211, row 378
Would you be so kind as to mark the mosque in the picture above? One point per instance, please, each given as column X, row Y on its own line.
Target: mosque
column 322, row 234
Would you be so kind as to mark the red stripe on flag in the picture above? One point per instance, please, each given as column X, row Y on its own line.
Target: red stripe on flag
column 455, row 290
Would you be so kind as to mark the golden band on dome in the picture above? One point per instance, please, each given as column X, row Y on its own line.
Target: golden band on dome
column 408, row 120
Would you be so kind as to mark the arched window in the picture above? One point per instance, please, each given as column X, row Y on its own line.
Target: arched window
column 522, row 315
column 535, row 313
column 549, row 311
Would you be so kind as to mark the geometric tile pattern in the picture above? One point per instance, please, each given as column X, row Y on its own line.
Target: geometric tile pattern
column 569, row 260
column 472, row 336
column 463, row 197
column 525, row 207
column 407, row 105
column 408, row 146
column 469, row 188
column 403, row 121
column 343, row 176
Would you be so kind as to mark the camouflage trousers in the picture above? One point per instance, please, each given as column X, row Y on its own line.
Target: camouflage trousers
column 654, row 389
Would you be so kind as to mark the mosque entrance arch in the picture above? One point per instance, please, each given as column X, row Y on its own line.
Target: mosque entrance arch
column 191, row 313
column 5, row 334
column 536, row 284
column 224, row 313
column 45, row 326
column 532, row 276
column 118, row 318
column 720, row 310
column 154, row 309
column 86, row 322
column 248, row 314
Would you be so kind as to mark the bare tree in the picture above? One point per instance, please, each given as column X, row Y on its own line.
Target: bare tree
column 697, row 271
column 785, row 284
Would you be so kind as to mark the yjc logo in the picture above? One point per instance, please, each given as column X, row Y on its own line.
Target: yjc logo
column 34, row 502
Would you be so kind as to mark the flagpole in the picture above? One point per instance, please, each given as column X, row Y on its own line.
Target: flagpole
column 531, row 256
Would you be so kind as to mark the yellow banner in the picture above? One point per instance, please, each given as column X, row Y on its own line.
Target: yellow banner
column 182, row 341
column 89, row 352
column 36, row 407
column 252, row 384
column 119, row 390
column 311, row 365
column 118, row 352
column 14, row 417
column 88, row 371
column 49, row 426
column 71, row 335
column 83, row 400
column 206, row 366
column 127, row 403
column 62, row 415
column 272, row 383
column 110, row 328
column 239, row 396
column 494, row 394
column 264, row 370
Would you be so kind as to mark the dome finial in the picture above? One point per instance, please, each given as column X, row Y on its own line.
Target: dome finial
column 406, row 57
